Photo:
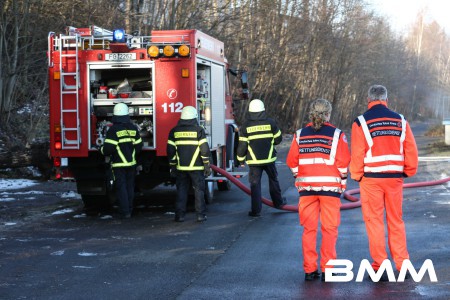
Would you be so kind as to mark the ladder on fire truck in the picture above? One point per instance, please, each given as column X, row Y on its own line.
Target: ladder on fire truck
column 68, row 46
column 69, row 93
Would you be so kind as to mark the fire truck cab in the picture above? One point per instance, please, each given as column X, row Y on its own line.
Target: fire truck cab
column 92, row 69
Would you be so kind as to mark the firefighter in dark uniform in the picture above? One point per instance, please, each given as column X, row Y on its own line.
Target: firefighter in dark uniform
column 257, row 138
column 122, row 144
column 188, row 153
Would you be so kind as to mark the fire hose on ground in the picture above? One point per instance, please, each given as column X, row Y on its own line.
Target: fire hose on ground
column 348, row 195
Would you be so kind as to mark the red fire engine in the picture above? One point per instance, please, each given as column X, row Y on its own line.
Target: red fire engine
column 92, row 69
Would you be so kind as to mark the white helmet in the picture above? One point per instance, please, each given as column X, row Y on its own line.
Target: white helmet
column 188, row 113
column 121, row 109
column 256, row 105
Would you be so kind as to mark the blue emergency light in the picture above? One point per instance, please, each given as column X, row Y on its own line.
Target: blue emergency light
column 119, row 36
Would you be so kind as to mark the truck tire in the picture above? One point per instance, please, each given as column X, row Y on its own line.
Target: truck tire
column 224, row 186
column 94, row 204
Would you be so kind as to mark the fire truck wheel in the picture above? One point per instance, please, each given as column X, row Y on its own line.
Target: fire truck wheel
column 224, row 186
column 209, row 192
column 95, row 204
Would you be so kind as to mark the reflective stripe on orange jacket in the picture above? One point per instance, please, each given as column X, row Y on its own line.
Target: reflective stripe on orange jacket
column 383, row 145
column 320, row 159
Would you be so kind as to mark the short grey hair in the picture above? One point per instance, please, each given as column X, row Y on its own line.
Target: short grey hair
column 377, row 92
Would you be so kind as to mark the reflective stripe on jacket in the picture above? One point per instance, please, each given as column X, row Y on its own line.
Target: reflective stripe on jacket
column 389, row 162
column 122, row 143
column 320, row 159
column 187, row 146
column 257, row 138
column 382, row 144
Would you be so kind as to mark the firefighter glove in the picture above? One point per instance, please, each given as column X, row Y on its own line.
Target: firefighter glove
column 173, row 171
column 207, row 170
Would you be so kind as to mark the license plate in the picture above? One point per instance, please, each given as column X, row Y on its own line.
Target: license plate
column 120, row 56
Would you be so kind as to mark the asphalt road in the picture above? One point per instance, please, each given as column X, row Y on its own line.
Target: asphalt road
column 50, row 250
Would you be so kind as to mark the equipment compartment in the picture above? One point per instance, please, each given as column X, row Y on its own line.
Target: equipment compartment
column 112, row 84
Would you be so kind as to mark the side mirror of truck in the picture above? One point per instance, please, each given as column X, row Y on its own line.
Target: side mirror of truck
column 243, row 77
column 244, row 84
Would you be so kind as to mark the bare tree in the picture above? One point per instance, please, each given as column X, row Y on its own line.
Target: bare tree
column 294, row 51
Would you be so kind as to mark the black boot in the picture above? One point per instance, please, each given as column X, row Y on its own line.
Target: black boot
column 201, row 218
column 311, row 276
column 179, row 218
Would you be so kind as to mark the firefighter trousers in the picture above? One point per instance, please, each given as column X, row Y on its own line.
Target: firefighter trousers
column 183, row 182
column 377, row 196
column 310, row 208
column 254, row 178
column 124, row 183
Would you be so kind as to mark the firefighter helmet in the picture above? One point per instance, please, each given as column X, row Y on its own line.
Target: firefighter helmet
column 256, row 105
column 121, row 109
column 188, row 113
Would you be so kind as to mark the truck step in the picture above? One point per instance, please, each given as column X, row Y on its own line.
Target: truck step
column 224, row 179
column 238, row 174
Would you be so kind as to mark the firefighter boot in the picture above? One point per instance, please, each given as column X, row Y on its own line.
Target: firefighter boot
column 201, row 218
column 179, row 217
column 311, row 276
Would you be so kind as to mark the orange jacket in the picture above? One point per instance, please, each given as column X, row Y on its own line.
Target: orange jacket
column 319, row 160
column 383, row 145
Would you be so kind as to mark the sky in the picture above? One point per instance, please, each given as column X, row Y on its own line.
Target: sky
column 402, row 13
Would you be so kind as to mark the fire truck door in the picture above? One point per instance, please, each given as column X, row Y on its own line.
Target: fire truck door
column 217, row 104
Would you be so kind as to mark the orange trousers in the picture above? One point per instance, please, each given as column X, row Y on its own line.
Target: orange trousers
column 309, row 209
column 378, row 195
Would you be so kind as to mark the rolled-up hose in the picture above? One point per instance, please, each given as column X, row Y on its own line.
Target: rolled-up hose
column 348, row 195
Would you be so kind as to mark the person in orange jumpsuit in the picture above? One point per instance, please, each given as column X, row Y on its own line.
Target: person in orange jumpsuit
column 319, row 158
column 383, row 152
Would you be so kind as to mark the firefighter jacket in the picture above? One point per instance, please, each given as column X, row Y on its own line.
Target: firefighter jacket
column 187, row 147
column 319, row 160
column 122, row 142
column 257, row 138
column 383, row 145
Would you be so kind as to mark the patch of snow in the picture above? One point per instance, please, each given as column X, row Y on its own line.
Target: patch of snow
column 70, row 194
column 34, row 171
column 57, row 253
column 62, row 211
column 83, row 215
column 87, row 254
column 6, row 199
column 442, row 202
column 23, row 193
column 24, row 110
column 12, row 184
